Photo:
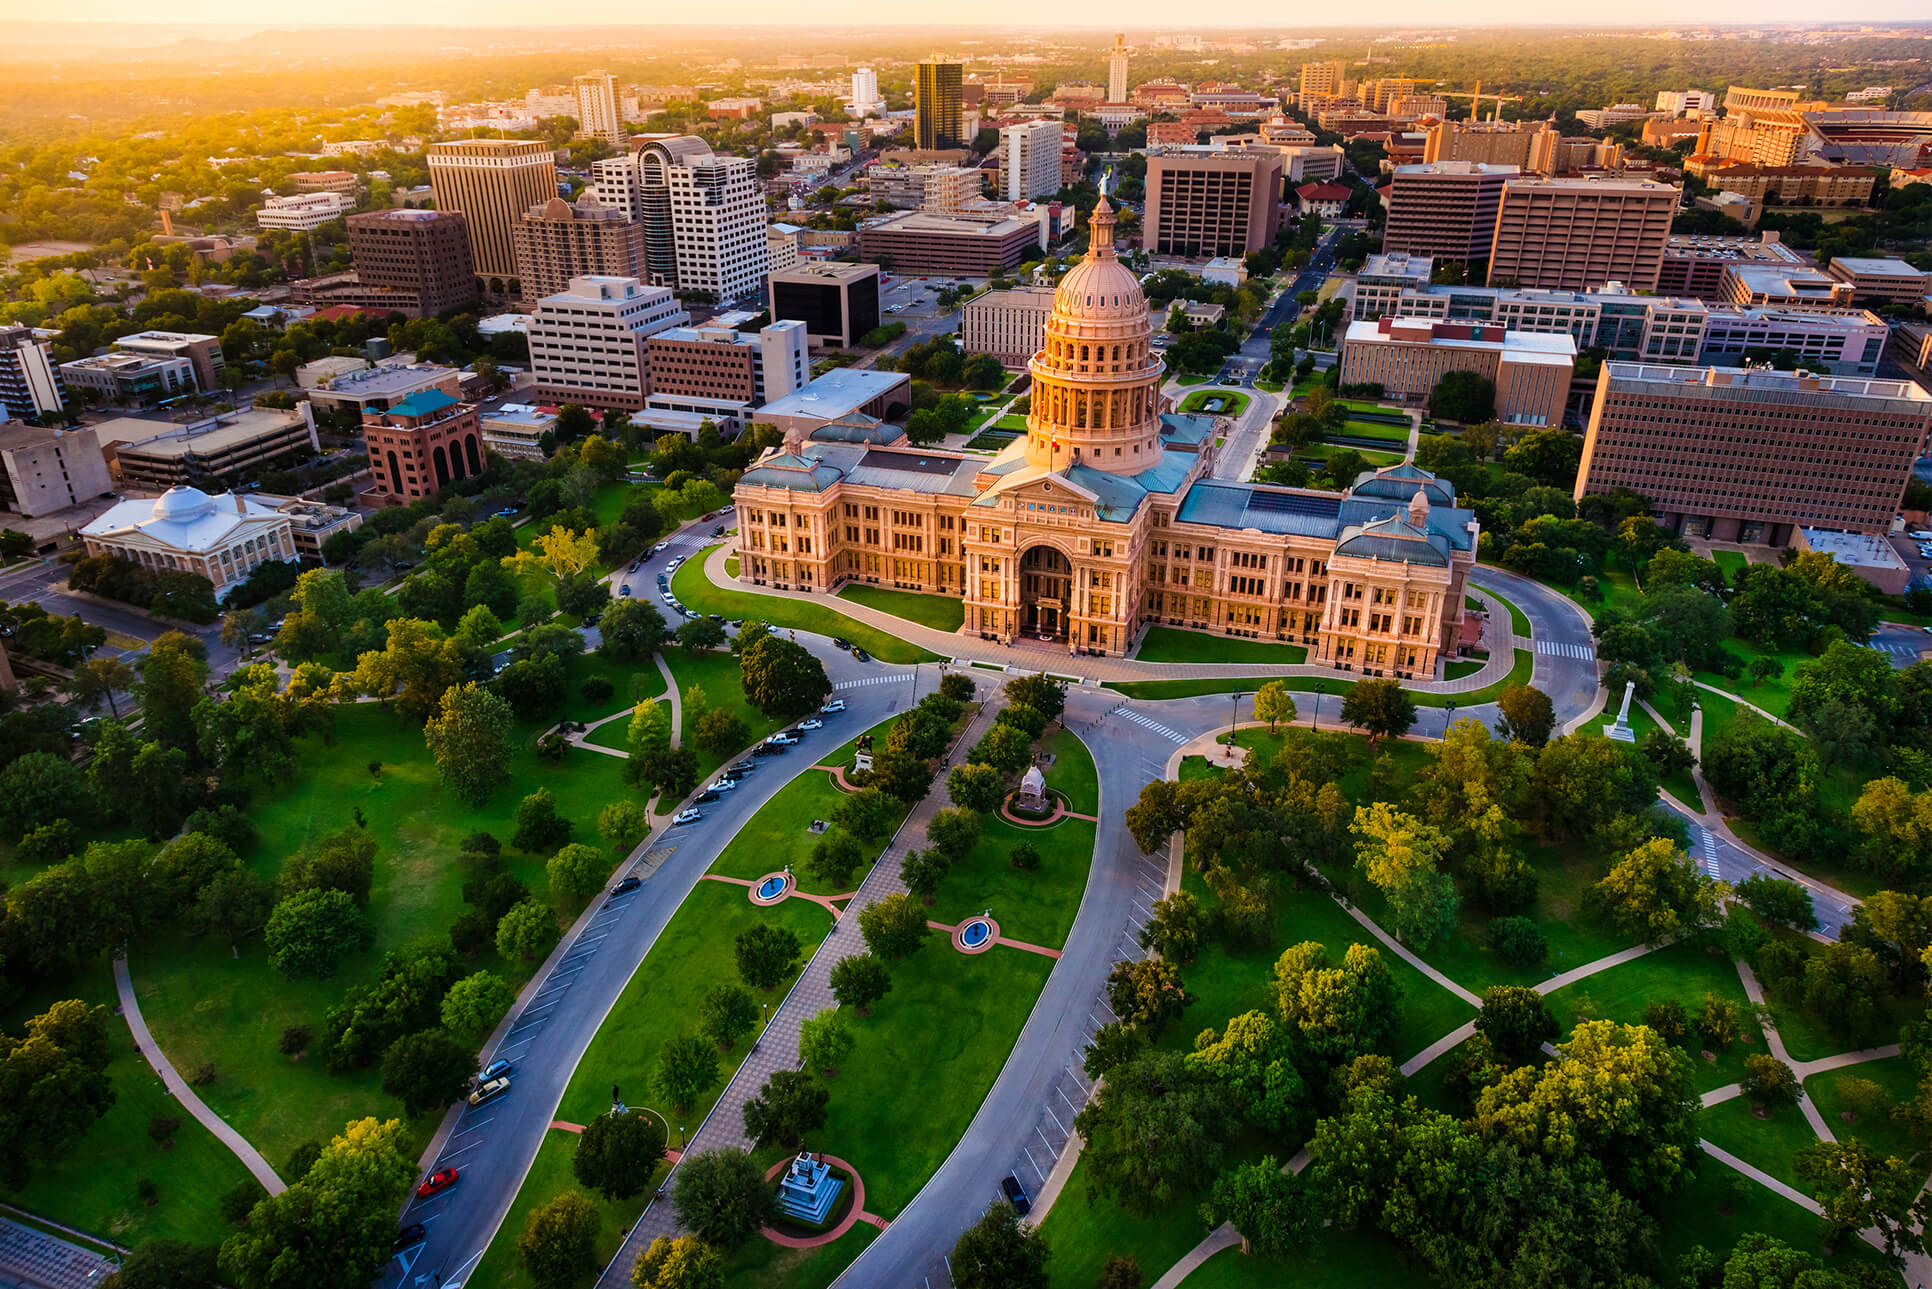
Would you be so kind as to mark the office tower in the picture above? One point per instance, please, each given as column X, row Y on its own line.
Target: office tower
column 865, row 91
column 492, row 182
column 1224, row 203
column 557, row 241
column 1445, row 209
column 201, row 352
column 935, row 188
column 1117, row 69
column 587, row 341
column 1030, row 159
column 703, row 216
column 29, row 382
column 1748, row 455
column 1580, row 233
column 937, row 102
column 1010, row 325
column 838, row 303
column 1494, row 143
column 732, row 369
column 44, row 470
column 1406, row 356
column 423, row 444
column 599, row 115
column 1321, row 80
column 425, row 253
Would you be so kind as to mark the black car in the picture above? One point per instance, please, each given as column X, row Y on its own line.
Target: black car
column 743, row 767
column 626, row 886
column 663, row 582
column 593, row 619
column 841, row 642
column 768, row 749
column 1016, row 1195
column 409, row 1237
column 861, row 654
column 708, row 795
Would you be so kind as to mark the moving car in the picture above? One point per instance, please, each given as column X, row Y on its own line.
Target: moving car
column 660, row 548
column 832, row 708
column 624, row 590
column 490, row 1091
column 689, row 816
column 443, row 1178
column 626, row 886
column 1016, row 1195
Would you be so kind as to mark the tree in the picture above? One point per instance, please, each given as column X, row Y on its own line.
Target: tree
column 526, row 931
column 722, row 1198
column 616, row 1153
column 631, row 631
column 1254, row 1061
column 1341, row 1012
column 684, row 1263
column 311, row 932
column 674, row 770
column 1583, row 785
column 427, row 1070
column 824, row 1041
column 1516, row 1021
column 894, row 927
column 1656, row 891
column 1846, row 984
column 558, row 1243
column 37, row 788
column 1122, row 1271
column 1379, row 705
column 171, row 674
column 1518, row 941
column 539, row 826
column 781, row 679
column 623, row 824
column 232, row 903
column 721, row 732
column 1039, row 691
column 54, row 1080
column 1146, row 994
column 344, row 861
column 1776, row 900
column 1769, row 1081
column 470, row 739
column 1177, row 929
column 974, row 787
column 334, row 1226
column 687, row 1066
column 575, row 871
column 101, row 678
column 791, row 1104
column 560, row 552
column 1006, row 748
column 1464, row 396
column 474, row 1004
column 834, row 858
column 165, row 1264
column 1274, row 704
column 765, row 954
column 858, row 980
column 1155, row 1131
column 727, row 1014
column 1528, row 714
column 1861, row 1189
column 999, row 1252
column 1401, row 855
column 1271, row 1209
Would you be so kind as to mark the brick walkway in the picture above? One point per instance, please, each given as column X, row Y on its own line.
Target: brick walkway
column 777, row 1047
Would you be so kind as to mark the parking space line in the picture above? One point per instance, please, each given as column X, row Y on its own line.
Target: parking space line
column 472, row 1128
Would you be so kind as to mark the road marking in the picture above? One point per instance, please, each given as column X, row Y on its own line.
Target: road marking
column 873, row 680
column 1558, row 648
column 464, row 1151
column 1148, row 722
column 1034, row 1163
column 1710, row 851
column 472, row 1128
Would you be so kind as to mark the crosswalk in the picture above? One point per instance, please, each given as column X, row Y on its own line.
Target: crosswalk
column 889, row 678
column 1559, row 649
column 1710, row 851
column 1148, row 722
column 1896, row 650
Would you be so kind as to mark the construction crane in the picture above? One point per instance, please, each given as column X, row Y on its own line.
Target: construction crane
column 1476, row 100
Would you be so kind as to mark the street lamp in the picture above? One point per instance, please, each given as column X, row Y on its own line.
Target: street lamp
column 1320, row 688
column 1450, row 719
column 1234, row 716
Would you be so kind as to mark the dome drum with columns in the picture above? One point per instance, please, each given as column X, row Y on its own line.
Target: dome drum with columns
column 1108, row 516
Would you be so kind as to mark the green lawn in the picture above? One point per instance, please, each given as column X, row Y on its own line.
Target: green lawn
column 1682, row 971
column 549, row 1177
column 1086, row 1228
column 760, row 1264
column 205, row 1004
column 1232, row 402
column 698, row 593
column 1339, row 1260
column 1457, row 668
column 715, row 671
column 1175, row 644
column 1880, row 1131
column 1730, row 562
column 1519, row 623
column 1151, row 690
column 939, row 612
column 1772, row 1143
column 1353, row 428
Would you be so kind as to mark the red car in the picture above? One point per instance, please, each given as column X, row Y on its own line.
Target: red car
column 440, row 1180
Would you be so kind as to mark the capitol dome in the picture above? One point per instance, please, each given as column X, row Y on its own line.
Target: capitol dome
column 183, row 505
column 1100, row 288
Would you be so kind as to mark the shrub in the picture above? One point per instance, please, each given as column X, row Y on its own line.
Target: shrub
column 1518, row 941
column 162, row 1127
column 295, row 1039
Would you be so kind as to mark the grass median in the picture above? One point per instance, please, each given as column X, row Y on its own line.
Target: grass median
column 1177, row 644
column 697, row 592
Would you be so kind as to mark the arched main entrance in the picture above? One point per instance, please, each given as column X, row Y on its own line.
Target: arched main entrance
column 1046, row 593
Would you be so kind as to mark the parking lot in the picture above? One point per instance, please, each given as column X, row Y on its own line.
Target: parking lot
column 903, row 298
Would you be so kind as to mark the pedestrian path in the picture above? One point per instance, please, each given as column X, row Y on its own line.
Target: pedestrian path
column 1560, row 649
column 179, row 1089
column 891, row 678
column 1147, row 722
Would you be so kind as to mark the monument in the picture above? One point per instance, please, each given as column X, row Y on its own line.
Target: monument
column 1032, row 795
column 807, row 1192
column 862, row 753
column 1619, row 729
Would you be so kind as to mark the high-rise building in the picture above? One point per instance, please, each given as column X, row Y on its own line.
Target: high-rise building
column 1579, row 233
column 865, row 92
column 1010, row 325
column 1117, row 69
column 1321, row 80
column 703, row 216
column 939, row 189
column 837, row 302
column 938, row 105
column 587, row 341
column 492, row 182
column 30, row 384
column 1222, row 203
column 599, row 111
column 1749, row 454
column 1030, row 159
column 1493, row 143
column 44, row 470
column 558, row 241
column 424, row 254
column 1446, row 209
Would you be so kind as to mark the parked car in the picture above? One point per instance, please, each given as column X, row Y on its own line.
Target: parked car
column 672, row 567
column 668, row 598
column 494, row 1070
column 626, row 886
column 663, row 582
column 719, row 531
column 440, row 1180
column 744, row 767
column 841, row 642
column 660, row 548
column 832, row 708
column 489, row 1091
column 723, row 783
column 409, row 1237
column 861, row 654
column 708, row 796
column 813, row 723
column 1016, row 1195
column 688, row 816
column 784, row 738
column 624, row 590
column 768, row 749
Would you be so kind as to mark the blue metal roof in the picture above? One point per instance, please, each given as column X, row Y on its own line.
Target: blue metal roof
column 423, row 403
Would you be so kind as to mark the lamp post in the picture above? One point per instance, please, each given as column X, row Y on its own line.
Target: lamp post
column 1320, row 688
column 1234, row 717
column 1450, row 719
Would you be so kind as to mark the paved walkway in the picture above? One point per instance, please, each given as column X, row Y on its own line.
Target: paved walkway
column 776, row 1048
column 670, row 695
column 179, row 1089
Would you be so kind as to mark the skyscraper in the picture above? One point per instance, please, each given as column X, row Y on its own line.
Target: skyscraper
column 492, row 182
column 1117, row 70
column 937, row 103
column 29, row 382
column 865, row 91
column 1030, row 159
column 703, row 216
column 1578, row 233
column 1321, row 79
column 558, row 241
column 1223, row 203
column 423, row 253
column 598, row 115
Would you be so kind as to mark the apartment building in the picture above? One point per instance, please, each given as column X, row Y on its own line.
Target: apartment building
column 1030, row 158
column 587, row 341
column 940, row 189
column 938, row 105
column 422, row 256
column 1010, row 325
column 837, row 302
column 599, row 109
column 44, row 470
column 1881, row 280
column 557, row 241
column 703, row 216
column 1322, row 79
column 422, row 445
column 1446, row 210
column 342, row 181
column 1578, row 233
column 1750, row 455
column 1222, row 203
column 492, row 182
column 1407, row 357
column 30, row 383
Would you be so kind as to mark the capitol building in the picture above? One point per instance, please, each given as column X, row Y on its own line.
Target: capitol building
column 1106, row 518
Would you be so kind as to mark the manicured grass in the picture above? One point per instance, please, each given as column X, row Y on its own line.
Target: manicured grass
column 1460, row 667
column 1730, row 562
column 715, row 671
column 993, row 440
column 549, row 1177
column 1519, row 623
column 1684, row 972
column 1772, row 1143
column 1316, row 453
column 760, row 1264
column 778, row 834
column 1072, row 772
column 1339, row 1260
column 939, row 612
column 1879, row 1131
column 1086, row 1228
column 698, row 593
column 1174, row 644
column 1151, row 690
column 1717, row 1206
column 206, row 1005
column 92, row 1185
column 1360, row 429
column 1232, row 403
